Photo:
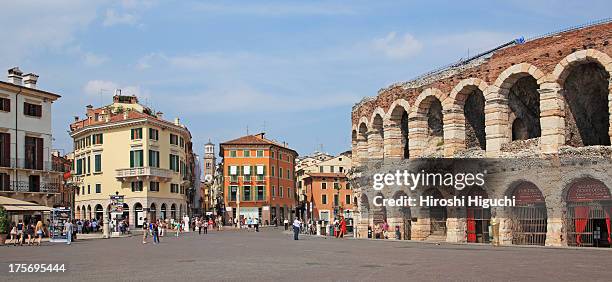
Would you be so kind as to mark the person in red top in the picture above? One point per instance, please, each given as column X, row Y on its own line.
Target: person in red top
column 342, row 227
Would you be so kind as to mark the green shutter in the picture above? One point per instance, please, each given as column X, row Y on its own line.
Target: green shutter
column 131, row 158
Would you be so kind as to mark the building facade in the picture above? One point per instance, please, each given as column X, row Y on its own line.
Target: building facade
column 540, row 110
column 126, row 149
column 329, row 196
column 258, row 179
column 27, row 170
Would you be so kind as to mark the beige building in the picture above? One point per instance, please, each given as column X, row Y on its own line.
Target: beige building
column 27, row 172
column 127, row 149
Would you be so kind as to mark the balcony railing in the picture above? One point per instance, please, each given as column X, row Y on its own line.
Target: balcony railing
column 151, row 173
column 25, row 186
column 28, row 164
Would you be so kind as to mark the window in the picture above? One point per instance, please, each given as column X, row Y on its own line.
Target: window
column 97, row 163
column 272, row 171
column 288, row 174
column 280, row 172
column 271, row 154
column 5, row 149
column 331, row 168
column 79, row 166
column 324, row 185
column 137, row 186
column 246, row 193
column 153, row 134
column 88, row 189
column 289, row 195
column 280, row 191
column 324, row 199
column 88, row 164
column 336, row 200
column 246, row 153
column 182, row 142
column 87, row 141
column 154, row 186
column 174, row 188
column 260, row 153
column 321, row 169
column 153, row 158
column 233, row 153
column 83, row 190
column 5, row 182
column 32, row 110
column 5, row 104
column 97, row 139
column 336, row 185
column 233, row 192
column 98, row 188
column 341, row 169
column 273, row 191
column 173, row 139
column 136, row 133
column 33, row 153
column 136, row 159
column 261, row 193
column 347, row 186
column 347, row 199
column 174, row 163
column 261, row 172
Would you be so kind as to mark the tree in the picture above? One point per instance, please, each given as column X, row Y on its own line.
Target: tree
column 4, row 221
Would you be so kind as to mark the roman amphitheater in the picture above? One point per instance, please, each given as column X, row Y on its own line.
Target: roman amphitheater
column 538, row 110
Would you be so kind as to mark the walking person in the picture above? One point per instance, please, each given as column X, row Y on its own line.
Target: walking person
column 256, row 223
column 286, row 223
column 296, row 228
column 13, row 234
column 30, row 231
column 145, row 232
column 199, row 226
column 39, row 230
column 20, row 232
column 342, row 227
column 68, row 231
column 205, row 226
column 155, row 233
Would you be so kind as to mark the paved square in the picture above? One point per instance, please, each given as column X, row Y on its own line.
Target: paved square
column 273, row 255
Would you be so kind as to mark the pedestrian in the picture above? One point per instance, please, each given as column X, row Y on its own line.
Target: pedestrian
column 199, row 226
column 205, row 226
column 342, row 227
column 13, row 234
column 20, row 232
column 296, row 228
column 39, row 231
column 256, row 223
column 286, row 223
column 211, row 223
column 145, row 232
column 155, row 233
column 178, row 228
column 30, row 231
column 68, row 232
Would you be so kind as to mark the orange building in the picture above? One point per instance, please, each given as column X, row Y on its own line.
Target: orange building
column 329, row 195
column 259, row 175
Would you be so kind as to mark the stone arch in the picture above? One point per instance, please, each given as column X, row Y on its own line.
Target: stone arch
column 376, row 135
column 427, row 123
column 514, row 95
column 89, row 212
column 173, row 211
column 589, row 209
column 78, row 212
column 379, row 214
column 437, row 215
column 354, row 147
column 585, row 79
column 466, row 119
column 139, row 215
column 477, row 218
column 152, row 216
column 163, row 211
column 98, row 212
column 362, row 142
column 396, row 141
column 528, row 219
column 403, row 217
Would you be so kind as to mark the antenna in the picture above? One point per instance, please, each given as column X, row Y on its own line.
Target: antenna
column 264, row 126
column 247, row 129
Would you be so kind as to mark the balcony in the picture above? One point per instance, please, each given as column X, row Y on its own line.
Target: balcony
column 31, row 165
column 27, row 187
column 144, row 173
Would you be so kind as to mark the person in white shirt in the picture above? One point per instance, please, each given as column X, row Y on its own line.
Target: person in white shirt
column 256, row 223
column 296, row 228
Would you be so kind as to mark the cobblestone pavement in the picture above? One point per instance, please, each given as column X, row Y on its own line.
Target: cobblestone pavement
column 273, row 255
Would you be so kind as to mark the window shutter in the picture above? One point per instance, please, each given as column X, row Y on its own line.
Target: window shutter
column 39, row 153
column 6, row 160
column 131, row 158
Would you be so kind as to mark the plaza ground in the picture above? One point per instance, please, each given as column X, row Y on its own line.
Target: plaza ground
column 273, row 255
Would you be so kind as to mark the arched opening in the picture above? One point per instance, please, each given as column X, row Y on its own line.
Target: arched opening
column 163, row 214
column 473, row 110
column 405, row 218
column 126, row 213
column 529, row 218
column 437, row 214
column 587, row 116
column 78, row 213
column 378, row 139
column 478, row 219
column 589, row 208
column 153, row 212
column 138, row 214
column 99, row 212
column 379, row 220
column 434, row 118
column 524, row 102
column 89, row 212
column 362, row 142
column 180, row 214
column 399, row 118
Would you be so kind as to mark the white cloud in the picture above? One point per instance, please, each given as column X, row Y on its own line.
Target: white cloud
column 92, row 59
column 114, row 17
column 397, row 47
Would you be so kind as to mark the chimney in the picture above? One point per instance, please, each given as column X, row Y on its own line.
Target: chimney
column 125, row 115
column 76, row 118
column 177, row 121
column 160, row 115
column 260, row 135
column 29, row 80
column 14, row 76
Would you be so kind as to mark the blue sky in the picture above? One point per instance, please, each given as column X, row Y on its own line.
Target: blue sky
column 296, row 67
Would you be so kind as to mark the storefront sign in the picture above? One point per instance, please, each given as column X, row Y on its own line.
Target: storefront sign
column 528, row 193
column 587, row 190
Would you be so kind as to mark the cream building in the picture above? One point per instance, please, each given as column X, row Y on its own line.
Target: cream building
column 126, row 149
column 27, row 172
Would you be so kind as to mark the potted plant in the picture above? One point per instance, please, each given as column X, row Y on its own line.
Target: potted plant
column 4, row 225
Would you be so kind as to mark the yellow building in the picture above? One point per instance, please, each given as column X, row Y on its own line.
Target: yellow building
column 126, row 149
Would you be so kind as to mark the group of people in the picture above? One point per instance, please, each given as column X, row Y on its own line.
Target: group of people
column 381, row 230
column 30, row 233
column 88, row 226
column 251, row 224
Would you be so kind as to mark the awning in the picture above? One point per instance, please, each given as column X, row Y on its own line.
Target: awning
column 14, row 205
